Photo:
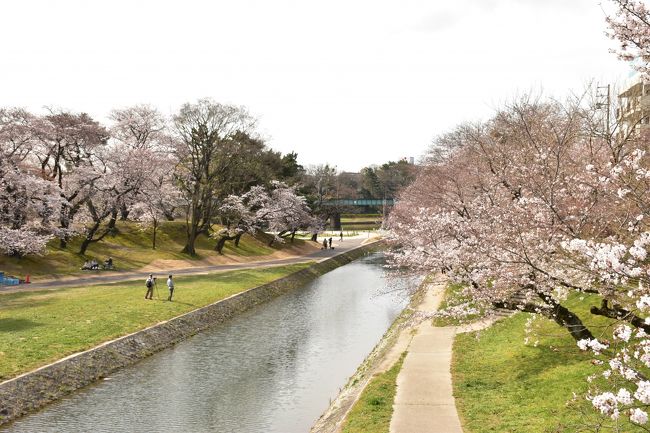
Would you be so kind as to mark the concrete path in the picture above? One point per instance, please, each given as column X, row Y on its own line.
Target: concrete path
column 114, row 277
column 424, row 402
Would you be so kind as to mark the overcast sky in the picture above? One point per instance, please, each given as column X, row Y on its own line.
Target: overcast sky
column 350, row 83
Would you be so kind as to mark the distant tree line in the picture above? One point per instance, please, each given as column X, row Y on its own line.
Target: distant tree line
column 63, row 174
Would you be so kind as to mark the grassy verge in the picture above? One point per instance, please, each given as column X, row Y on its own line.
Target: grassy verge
column 373, row 411
column 131, row 248
column 361, row 221
column 453, row 296
column 502, row 385
column 40, row 327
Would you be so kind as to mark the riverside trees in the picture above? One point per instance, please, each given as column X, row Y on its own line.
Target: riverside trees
column 493, row 210
column 64, row 174
column 204, row 130
column 278, row 209
column 531, row 208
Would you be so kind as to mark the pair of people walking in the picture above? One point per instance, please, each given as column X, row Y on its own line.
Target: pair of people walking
column 151, row 283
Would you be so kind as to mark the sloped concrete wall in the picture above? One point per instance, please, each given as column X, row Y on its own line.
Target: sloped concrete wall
column 33, row 390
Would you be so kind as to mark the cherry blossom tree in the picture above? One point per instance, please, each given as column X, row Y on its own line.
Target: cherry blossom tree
column 140, row 131
column 158, row 197
column 16, row 133
column 531, row 207
column 279, row 210
column 65, row 153
column 119, row 173
column 493, row 214
column 629, row 25
column 139, row 126
column 285, row 212
column 238, row 213
column 29, row 208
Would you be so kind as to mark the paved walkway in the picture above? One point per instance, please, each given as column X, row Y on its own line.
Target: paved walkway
column 424, row 402
column 114, row 277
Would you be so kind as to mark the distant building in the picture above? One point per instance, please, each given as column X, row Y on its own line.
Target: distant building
column 633, row 107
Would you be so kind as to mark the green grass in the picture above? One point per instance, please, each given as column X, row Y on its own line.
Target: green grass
column 453, row 296
column 374, row 409
column 360, row 227
column 131, row 249
column 40, row 327
column 361, row 221
column 502, row 385
column 360, row 215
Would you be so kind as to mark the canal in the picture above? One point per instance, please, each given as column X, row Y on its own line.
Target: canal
column 272, row 369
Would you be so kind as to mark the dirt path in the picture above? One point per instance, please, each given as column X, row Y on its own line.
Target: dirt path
column 115, row 277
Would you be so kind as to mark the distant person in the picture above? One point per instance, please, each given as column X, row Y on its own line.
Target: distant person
column 86, row 266
column 330, row 242
column 341, row 235
column 170, row 286
column 94, row 264
column 324, row 244
column 149, row 283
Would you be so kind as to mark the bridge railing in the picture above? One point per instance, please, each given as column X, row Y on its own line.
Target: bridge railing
column 359, row 202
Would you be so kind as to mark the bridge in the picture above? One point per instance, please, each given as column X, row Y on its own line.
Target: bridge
column 359, row 202
column 335, row 217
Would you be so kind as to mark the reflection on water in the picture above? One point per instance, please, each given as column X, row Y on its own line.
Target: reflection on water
column 272, row 369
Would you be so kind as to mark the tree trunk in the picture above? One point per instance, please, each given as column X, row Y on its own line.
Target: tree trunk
column 112, row 221
column 566, row 318
column 559, row 314
column 192, row 233
column 220, row 244
column 189, row 246
column 314, row 237
column 124, row 212
column 89, row 238
column 155, row 227
column 619, row 313
column 293, row 235
column 169, row 214
column 222, row 241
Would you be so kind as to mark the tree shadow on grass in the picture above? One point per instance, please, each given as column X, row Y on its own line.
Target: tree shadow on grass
column 542, row 358
column 13, row 325
column 24, row 300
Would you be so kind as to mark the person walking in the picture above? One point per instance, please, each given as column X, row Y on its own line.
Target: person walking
column 170, row 286
column 324, row 244
column 149, row 283
column 341, row 235
column 330, row 242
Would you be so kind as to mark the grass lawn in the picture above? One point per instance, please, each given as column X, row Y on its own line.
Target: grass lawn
column 131, row 249
column 374, row 409
column 40, row 327
column 453, row 296
column 502, row 385
column 361, row 221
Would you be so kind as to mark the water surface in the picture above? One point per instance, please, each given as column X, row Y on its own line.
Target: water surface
column 272, row 369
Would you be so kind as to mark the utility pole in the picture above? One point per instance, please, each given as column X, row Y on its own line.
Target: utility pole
column 604, row 100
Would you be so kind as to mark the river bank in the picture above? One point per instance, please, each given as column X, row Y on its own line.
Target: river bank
column 35, row 389
column 384, row 355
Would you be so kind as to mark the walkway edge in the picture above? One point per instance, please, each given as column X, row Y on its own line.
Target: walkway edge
column 382, row 357
column 31, row 391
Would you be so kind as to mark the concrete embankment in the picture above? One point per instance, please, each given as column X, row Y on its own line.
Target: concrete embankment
column 387, row 351
column 35, row 389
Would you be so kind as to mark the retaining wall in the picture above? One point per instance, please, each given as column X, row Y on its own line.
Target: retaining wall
column 33, row 390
